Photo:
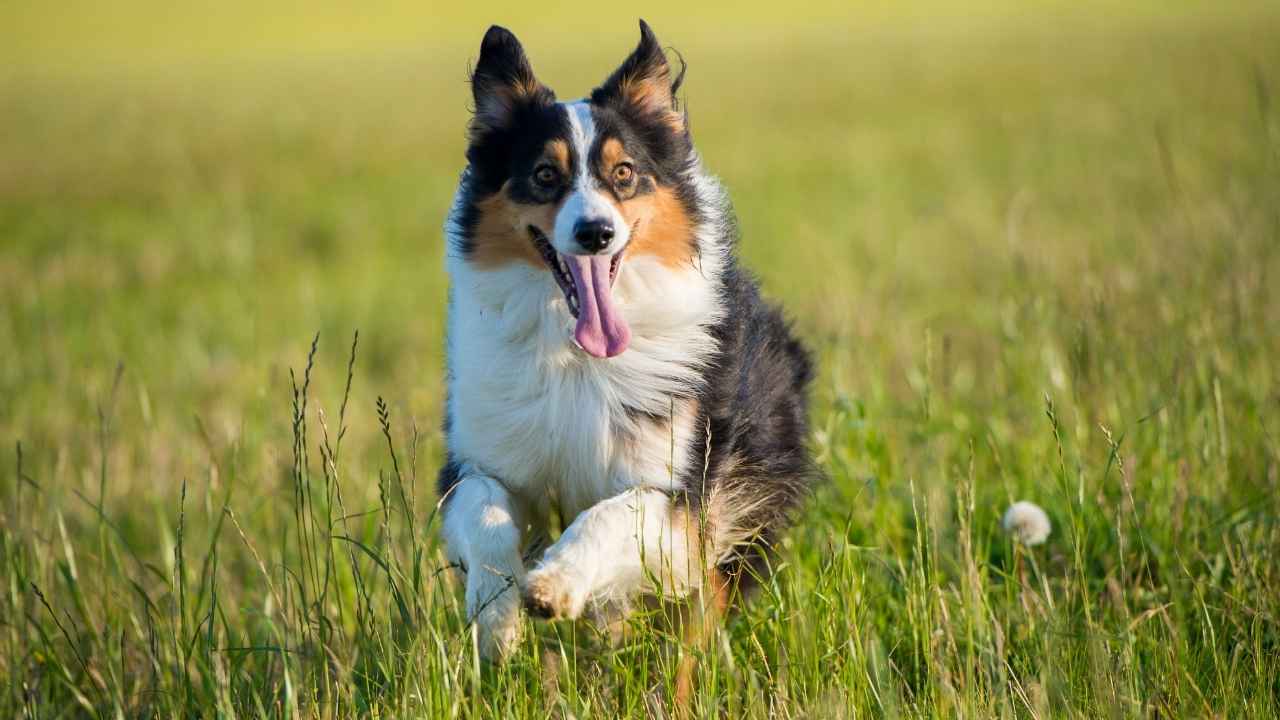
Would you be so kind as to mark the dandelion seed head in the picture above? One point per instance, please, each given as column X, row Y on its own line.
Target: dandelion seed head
column 1027, row 523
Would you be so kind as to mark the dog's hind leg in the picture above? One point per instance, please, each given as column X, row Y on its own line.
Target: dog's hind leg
column 482, row 523
column 700, row 618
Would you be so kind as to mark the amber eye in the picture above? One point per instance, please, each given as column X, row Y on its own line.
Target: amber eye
column 624, row 173
column 545, row 176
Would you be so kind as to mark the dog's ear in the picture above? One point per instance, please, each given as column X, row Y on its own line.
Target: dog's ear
column 644, row 82
column 502, row 82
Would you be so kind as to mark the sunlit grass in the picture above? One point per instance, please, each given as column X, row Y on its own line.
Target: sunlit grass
column 1034, row 246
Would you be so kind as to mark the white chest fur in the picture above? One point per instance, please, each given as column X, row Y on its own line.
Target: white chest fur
column 531, row 409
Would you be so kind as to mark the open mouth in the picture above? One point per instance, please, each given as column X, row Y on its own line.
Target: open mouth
column 560, row 269
column 587, row 284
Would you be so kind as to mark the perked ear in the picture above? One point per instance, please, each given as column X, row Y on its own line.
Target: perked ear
column 502, row 82
column 644, row 82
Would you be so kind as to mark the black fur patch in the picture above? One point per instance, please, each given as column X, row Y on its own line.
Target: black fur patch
column 755, row 403
column 450, row 475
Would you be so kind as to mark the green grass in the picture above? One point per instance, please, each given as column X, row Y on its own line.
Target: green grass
column 1036, row 248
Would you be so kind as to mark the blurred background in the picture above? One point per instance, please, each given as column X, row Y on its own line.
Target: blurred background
column 188, row 193
column 979, row 214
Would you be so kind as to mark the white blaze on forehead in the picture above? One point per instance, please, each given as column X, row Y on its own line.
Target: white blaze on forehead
column 582, row 128
column 586, row 201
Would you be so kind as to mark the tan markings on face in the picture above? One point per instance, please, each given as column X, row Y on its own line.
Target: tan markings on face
column 611, row 153
column 502, row 234
column 557, row 153
column 660, row 227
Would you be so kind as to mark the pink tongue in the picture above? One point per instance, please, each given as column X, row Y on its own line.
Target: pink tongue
column 601, row 330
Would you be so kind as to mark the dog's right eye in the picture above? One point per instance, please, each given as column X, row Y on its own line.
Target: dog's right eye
column 545, row 176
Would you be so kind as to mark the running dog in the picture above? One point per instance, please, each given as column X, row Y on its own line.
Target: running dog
column 610, row 362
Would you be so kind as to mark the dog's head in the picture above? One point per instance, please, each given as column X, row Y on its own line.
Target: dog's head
column 578, row 188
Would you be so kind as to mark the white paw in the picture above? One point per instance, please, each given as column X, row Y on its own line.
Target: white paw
column 554, row 591
column 494, row 606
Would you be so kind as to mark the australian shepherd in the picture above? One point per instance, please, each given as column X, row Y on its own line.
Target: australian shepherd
column 610, row 363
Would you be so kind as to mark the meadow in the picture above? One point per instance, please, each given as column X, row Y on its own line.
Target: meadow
column 1035, row 247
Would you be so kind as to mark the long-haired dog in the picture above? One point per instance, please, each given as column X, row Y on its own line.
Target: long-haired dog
column 609, row 361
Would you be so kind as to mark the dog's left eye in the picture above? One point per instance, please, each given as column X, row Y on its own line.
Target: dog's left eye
column 545, row 176
column 624, row 173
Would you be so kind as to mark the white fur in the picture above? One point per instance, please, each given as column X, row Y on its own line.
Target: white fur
column 535, row 421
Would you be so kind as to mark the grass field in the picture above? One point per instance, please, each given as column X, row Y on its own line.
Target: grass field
column 1036, row 247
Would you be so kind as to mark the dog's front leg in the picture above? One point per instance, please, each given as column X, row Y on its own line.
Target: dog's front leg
column 482, row 522
column 613, row 549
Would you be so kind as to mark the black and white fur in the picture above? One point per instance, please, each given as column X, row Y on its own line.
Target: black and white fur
column 674, row 461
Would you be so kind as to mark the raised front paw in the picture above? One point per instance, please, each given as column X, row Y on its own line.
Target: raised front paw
column 553, row 591
column 494, row 607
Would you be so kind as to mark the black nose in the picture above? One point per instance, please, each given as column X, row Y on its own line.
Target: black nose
column 593, row 235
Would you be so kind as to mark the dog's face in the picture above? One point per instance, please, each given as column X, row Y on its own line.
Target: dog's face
column 580, row 188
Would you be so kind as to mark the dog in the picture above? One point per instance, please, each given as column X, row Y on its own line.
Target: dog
column 609, row 362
